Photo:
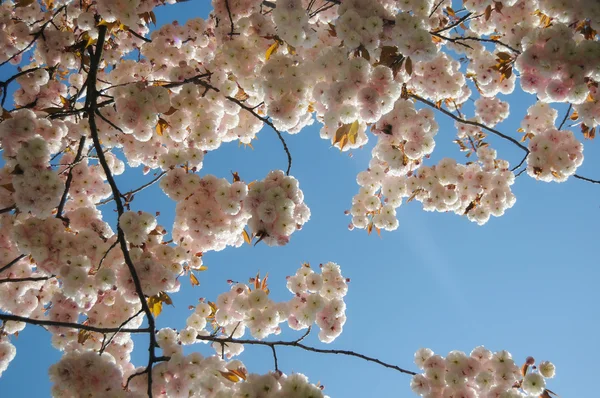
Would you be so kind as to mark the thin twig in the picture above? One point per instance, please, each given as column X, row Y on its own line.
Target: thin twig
column 435, row 8
column 520, row 163
column 275, row 358
column 566, row 117
column 263, row 119
column 458, row 40
column 35, row 35
column 230, row 19
column 13, row 262
column 134, row 191
column 136, row 34
column 8, row 209
column 586, row 179
column 105, row 345
column 108, row 121
column 461, row 20
column 63, row 199
column 106, row 254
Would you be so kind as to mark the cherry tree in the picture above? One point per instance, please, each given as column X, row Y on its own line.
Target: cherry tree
column 98, row 90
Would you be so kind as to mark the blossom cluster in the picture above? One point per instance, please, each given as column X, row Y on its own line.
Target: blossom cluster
column 277, row 208
column 196, row 375
column 85, row 373
column 318, row 299
column 349, row 91
column 477, row 190
column 480, row 374
column 556, row 64
column 209, row 213
column 405, row 137
column 7, row 354
column 589, row 111
column 491, row 111
column 360, row 23
column 554, row 154
column 440, row 78
column 352, row 65
column 490, row 81
column 37, row 188
column 412, row 38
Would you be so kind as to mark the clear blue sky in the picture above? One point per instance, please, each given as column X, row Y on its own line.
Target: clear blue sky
column 525, row 282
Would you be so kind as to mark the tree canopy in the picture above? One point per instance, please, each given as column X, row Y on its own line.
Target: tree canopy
column 93, row 90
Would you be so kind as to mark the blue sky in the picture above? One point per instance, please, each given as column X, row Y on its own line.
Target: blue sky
column 525, row 282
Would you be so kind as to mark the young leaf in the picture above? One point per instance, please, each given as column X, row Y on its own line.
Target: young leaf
column 488, row 12
column 408, row 66
column 83, row 335
column 246, row 237
column 271, row 50
column 155, row 305
column 161, row 126
column 194, row 280
column 230, row 376
column 353, row 132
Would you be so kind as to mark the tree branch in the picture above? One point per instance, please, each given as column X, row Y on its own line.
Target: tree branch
column 63, row 199
column 256, row 115
column 27, row 279
column 586, row 179
column 8, row 209
column 134, row 191
column 105, row 345
column 92, row 107
column 230, row 19
column 472, row 123
column 458, row 40
column 297, row 343
column 36, row 35
column 13, row 262
column 136, row 34
column 458, row 22
column 43, row 322
column 566, row 117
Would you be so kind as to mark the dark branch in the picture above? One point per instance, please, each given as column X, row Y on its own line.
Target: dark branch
column 435, row 8
column 587, row 179
column 461, row 20
column 92, row 105
column 106, row 253
column 275, row 358
column 63, row 199
column 157, row 178
column 520, row 163
column 36, row 36
column 566, row 117
column 7, row 209
column 104, row 345
column 472, row 123
column 136, row 34
column 256, row 115
column 42, row 322
column 13, row 262
column 230, row 19
column 114, row 126
column 458, row 40
column 28, row 279
column 297, row 343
